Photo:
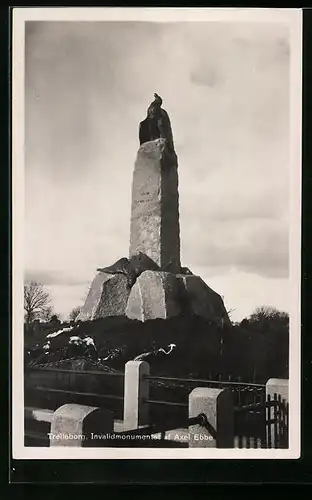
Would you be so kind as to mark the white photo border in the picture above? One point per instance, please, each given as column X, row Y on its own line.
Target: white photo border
column 291, row 17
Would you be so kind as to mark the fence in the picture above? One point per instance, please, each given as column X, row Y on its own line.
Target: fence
column 214, row 414
column 263, row 425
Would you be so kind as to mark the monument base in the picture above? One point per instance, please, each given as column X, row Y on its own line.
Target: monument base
column 154, row 294
column 108, row 296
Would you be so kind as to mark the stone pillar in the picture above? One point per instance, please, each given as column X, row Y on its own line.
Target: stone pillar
column 136, row 410
column 80, row 426
column 217, row 405
column 277, row 386
column 154, row 228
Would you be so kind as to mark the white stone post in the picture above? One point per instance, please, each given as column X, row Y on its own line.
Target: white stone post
column 217, row 406
column 277, row 386
column 136, row 409
column 81, row 426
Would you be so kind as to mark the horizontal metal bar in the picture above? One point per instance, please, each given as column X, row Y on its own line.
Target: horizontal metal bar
column 166, row 403
column 271, row 421
column 36, row 435
column 148, row 377
column 75, row 393
column 256, row 406
column 203, row 381
column 156, row 429
column 66, row 370
column 151, row 429
column 246, row 408
column 204, row 422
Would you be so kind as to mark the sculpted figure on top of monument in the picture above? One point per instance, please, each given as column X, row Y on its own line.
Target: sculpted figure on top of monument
column 156, row 125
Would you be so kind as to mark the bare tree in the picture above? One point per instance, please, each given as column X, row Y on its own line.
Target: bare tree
column 47, row 314
column 268, row 318
column 74, row 313
column 268, row 312
column 36, row 301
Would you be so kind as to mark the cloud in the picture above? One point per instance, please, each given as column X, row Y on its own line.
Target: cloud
column 263, row 254
column 226, row 89
column 49, row 278
column 208, row 75
column 252, row 289
column 259, row 246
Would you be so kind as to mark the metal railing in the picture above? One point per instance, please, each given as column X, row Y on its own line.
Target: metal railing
column 237, row 387
column 263, row 425
column 148, row 377
column 73, row 370
column 76, row 393
column 255, row 417
column 120, row 437
column 203, row 381
column 243, row 392
column 201, row 420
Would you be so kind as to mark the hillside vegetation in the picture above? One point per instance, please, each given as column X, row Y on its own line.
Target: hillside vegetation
column 203, row 349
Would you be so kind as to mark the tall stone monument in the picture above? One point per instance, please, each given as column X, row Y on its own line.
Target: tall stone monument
column 154, row 228
column 151, row 283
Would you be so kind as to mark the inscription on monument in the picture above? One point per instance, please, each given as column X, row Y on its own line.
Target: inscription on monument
column 154, row 228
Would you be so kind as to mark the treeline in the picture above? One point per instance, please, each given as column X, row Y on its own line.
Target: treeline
column 252, row 351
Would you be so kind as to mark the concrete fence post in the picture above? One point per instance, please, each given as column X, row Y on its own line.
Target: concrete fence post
column 217, row 406
column 277, row 386
column 81, row 426
column 136, row 409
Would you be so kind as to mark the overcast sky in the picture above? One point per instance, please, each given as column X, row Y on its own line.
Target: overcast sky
column 226, row 89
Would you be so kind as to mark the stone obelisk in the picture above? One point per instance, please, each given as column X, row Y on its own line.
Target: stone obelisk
column 150, row 283
column 154, row 227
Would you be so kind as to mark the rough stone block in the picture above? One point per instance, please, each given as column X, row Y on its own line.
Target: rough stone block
column 154, row 295
column 217, row 406
column 108, row 296
column 200, row 299
column 154, row 228
column 77, row 425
